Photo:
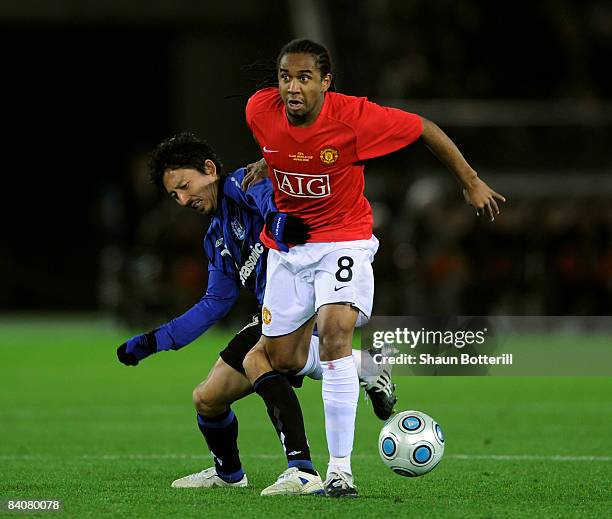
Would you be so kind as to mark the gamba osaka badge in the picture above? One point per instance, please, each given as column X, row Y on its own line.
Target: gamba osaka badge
column 238, row 230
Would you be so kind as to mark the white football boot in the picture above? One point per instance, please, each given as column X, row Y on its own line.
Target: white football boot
column 207, row 479
column 295, row 482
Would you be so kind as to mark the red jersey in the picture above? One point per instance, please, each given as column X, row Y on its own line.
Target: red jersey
column 317, row 171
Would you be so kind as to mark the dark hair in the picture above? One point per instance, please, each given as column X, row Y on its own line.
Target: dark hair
column 316, row 50
column 184, row 150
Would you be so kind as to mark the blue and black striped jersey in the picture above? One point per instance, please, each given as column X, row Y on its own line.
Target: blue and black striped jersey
column 232, row 242
column 236, row 259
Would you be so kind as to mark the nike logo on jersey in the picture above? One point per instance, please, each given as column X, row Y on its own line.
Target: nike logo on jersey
column 339, row 288
column 294, row 453
column 266, row 150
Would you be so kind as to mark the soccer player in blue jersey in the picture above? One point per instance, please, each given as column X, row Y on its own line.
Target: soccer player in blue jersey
column 189, row 170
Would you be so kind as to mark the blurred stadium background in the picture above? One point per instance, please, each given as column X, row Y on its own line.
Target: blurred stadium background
column 523, row 88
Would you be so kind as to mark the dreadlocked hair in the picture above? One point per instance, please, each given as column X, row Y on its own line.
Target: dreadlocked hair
column 184, row 150
column 316, row 50
column 262, row 73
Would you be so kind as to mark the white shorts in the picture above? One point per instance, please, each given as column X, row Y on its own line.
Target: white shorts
column 309, row 276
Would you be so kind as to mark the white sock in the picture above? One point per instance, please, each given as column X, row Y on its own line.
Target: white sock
column 312, row 368
column 340, row 395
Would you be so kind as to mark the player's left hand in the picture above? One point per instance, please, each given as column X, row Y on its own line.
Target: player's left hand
column 137, row 348
column 256, row 172
column 479, row 195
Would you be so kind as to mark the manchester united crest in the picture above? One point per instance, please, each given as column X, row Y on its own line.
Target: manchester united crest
column 329, row 155
column 266, row 315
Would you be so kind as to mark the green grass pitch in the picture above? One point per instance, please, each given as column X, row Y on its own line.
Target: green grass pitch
column 109, row 440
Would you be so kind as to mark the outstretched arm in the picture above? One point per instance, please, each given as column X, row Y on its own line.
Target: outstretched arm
column 220, row 296
column 476, row 192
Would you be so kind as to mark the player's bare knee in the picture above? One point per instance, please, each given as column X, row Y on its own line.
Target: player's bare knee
column 199, row 397
column 195, row 395
column 249, row 363
column 335, row 344
column 255, row 362
column 205, row 402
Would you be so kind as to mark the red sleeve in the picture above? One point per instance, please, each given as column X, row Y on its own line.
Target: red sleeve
column 381, row 130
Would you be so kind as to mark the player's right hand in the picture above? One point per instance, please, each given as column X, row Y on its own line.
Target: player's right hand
column 256, row 172
column 137, row 348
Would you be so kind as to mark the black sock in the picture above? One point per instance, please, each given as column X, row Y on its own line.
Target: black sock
column 221, row 435
column 286, row 414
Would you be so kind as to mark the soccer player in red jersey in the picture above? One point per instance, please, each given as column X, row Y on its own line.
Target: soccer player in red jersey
column 315, row 142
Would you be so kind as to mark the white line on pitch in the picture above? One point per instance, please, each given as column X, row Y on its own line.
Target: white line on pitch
column 466, row 457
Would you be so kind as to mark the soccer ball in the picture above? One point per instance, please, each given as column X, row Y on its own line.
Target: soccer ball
column 411, row 443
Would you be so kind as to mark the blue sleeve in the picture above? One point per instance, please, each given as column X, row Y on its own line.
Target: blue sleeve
column 258, row 198
column 220, row 296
